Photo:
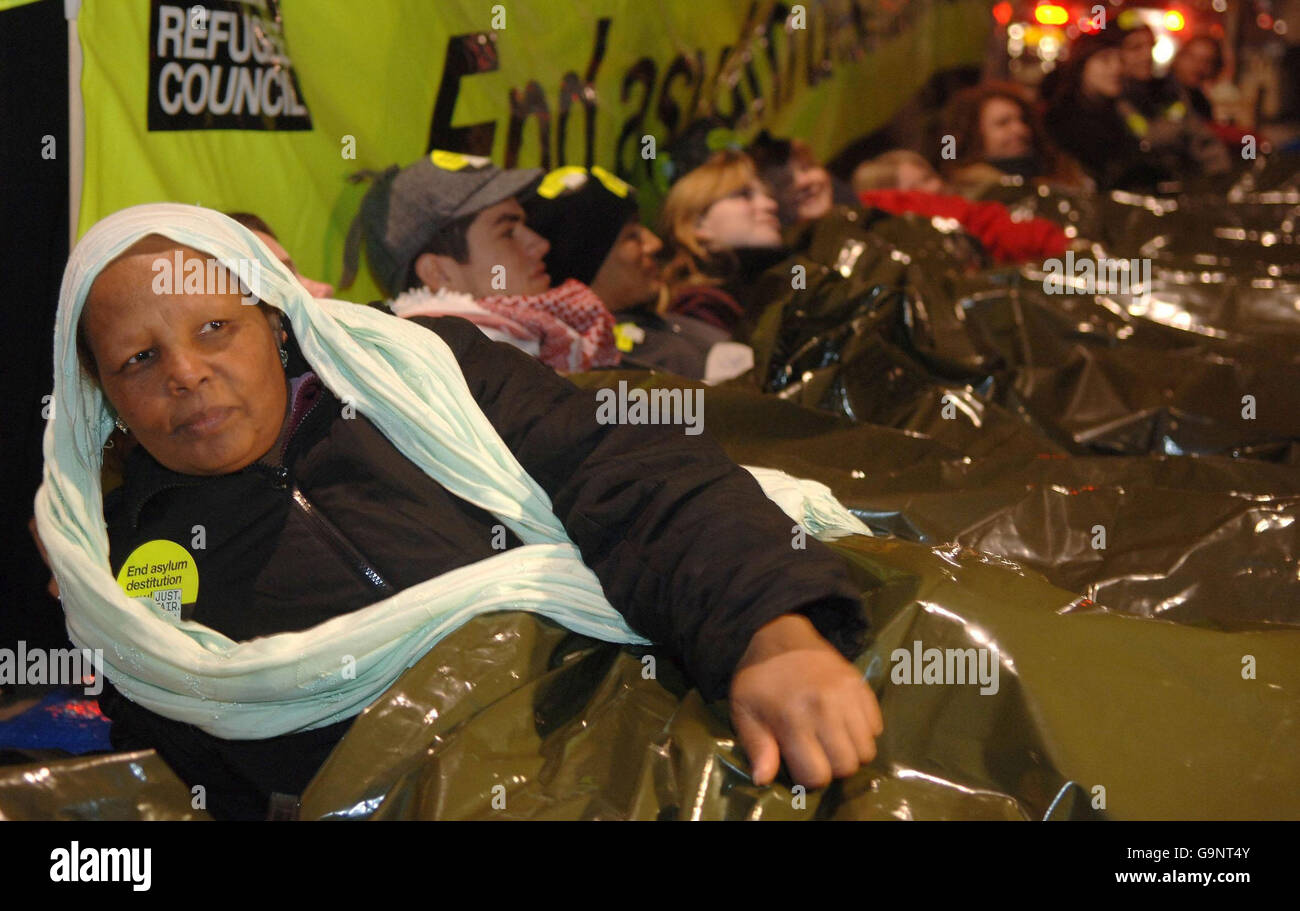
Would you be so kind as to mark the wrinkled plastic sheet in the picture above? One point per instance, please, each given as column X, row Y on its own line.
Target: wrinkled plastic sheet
column 116, row 786
column 1207, row 540
column 1203, row 359
column 1096, row 715
column 987, row 431
column 1157, row 715
column 1142, row 448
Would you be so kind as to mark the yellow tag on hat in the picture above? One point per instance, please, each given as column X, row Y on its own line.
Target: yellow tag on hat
column 572, row 177
column 614, row 184
column 164, row 573
column 456, row 161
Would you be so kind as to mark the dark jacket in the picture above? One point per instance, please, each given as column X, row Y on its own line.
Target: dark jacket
column 683, row 541
column 1153, row 98
column 1199, row 103
column 724, row 302
column 672, row 342
column 1095, row 134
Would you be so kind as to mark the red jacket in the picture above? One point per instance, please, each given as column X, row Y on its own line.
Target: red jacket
column 1006, row 240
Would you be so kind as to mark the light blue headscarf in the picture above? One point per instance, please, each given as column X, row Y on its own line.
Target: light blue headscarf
column 406, row 380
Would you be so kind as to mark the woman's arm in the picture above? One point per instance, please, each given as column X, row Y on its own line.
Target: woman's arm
column 691, row 551
column 683, row 540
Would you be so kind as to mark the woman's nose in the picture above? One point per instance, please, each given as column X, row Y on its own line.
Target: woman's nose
column 185, row 369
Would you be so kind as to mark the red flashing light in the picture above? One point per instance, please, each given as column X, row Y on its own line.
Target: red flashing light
column 1175, row 21
column 1051, row 14
column 1002, row 12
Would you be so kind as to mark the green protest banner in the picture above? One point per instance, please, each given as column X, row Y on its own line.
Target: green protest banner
column 268, row 107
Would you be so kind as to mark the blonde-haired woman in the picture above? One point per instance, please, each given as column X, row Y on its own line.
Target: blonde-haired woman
column 720, row 230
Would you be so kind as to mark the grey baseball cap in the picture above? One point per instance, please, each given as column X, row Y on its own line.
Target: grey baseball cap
column 406, row 207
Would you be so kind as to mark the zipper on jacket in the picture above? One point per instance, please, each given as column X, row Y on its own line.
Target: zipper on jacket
column 330, row 533
column 326, row 530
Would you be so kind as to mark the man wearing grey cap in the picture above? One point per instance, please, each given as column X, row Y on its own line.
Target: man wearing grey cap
column 446, row 236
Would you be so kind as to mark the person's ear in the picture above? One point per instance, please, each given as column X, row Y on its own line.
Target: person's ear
column 437, row 271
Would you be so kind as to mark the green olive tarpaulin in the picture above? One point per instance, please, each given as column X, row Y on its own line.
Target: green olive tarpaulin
column 1097, row 715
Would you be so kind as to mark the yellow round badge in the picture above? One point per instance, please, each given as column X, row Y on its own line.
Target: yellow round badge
column 164, row 573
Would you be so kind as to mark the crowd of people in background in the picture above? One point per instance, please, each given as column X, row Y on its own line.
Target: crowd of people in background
column 583, row 283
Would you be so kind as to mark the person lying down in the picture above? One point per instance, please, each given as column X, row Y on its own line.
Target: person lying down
column 321, row 491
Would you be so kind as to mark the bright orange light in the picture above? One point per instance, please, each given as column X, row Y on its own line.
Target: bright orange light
column 1002, row 12
column 1174, row 21
column 1051, row 14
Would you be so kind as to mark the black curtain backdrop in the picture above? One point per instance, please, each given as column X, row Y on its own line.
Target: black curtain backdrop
column 34, row 219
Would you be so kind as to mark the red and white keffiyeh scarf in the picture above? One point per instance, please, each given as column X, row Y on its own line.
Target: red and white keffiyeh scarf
column 575, row 326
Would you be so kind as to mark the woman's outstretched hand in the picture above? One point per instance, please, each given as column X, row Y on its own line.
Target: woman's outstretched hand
column 793, row 696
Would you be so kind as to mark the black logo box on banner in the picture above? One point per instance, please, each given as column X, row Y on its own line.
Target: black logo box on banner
column 222, row 65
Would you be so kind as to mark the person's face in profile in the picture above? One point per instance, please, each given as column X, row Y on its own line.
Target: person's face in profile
column 1138, row 62
column 630, row 274
column 505, row 256
column 744, row 218
column 1103, row 74
column 1003, row 129
column 195, row 377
